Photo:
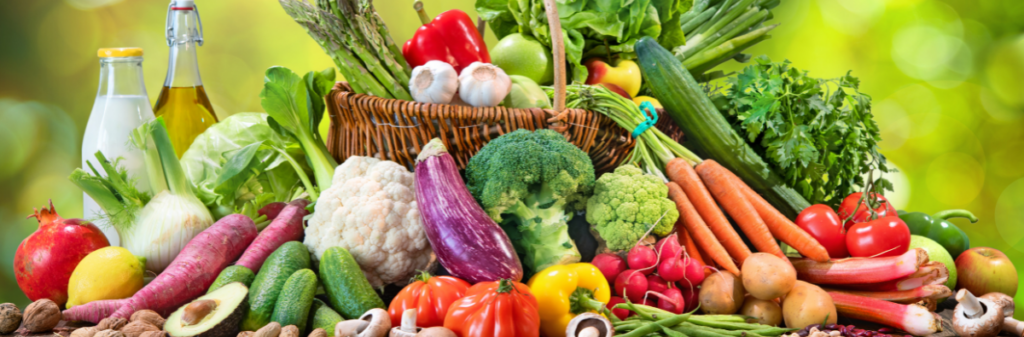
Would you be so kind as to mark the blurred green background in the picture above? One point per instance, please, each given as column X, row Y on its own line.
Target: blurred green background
column 947, row 79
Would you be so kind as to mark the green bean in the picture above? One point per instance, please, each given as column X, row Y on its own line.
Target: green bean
column 652, row 327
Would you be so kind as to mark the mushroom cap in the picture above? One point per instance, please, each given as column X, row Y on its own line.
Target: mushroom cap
column 398, row 332
column 1002, row 300
column 987, row 325
column 350, row 328
column 380, row 323
column 436, row 331
column 588, row 320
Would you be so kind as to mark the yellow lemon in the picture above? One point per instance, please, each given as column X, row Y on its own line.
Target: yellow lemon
column 108, row 273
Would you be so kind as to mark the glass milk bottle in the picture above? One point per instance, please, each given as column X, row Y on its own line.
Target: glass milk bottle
column 121, row 106
column 183, row 102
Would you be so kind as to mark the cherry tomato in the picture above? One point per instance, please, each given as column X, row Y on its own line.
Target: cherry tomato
column 885, row 236
column 822, row 223
column 861, row 214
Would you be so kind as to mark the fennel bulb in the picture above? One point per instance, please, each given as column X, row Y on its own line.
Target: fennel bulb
column 155, row 227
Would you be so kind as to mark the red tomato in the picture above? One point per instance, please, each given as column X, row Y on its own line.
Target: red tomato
column 430, row 296
column 886, row 236
column 861, row 214
column 822, row 223
column 495, row 309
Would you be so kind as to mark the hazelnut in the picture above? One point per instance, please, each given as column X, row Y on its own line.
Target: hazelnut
column 270, row 330
column 109, row 333
column 157, row 333
column 245, row 334
column 135, row 329
column 148, row 316
column 10, row 318
column 289, row 331
column 112, row 323
column 318, row 332
column 84, row 332
column 42, row 315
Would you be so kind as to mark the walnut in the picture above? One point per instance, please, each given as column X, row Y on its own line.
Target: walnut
column 148, row 316
column 289, row 331
column 85, row 332
column 112, row 323
column 42, row 315
column 108, row 333
column 318, row 332
column 10, row 318
column 270, row 330
column 157, row 333
column 135, row 329
column 245, row 334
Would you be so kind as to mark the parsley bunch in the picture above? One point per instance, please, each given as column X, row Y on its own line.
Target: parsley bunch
column 818, row 134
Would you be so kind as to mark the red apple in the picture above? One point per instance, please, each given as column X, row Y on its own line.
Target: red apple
column 983, row 270
column 625, row 75
column 616, row 89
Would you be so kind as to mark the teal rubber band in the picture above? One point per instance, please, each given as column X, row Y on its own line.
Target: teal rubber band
column 647, row 109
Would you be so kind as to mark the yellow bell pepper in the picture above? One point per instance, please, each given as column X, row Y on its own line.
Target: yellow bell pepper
column 565, row 291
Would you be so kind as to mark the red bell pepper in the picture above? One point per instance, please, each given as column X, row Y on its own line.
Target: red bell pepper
column 451, row 37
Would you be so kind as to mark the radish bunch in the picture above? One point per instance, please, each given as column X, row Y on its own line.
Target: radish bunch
column 663, row 276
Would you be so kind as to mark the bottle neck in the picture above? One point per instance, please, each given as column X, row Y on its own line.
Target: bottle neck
column 183, row 37
column 121, row 76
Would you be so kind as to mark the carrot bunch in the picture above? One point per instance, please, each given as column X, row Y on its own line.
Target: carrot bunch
column 699, row 191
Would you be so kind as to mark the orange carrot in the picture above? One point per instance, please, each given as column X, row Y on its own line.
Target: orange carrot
column 695, row 225
column 738, row 207
column 680, row 172
column 781, row 227
column 688, row 245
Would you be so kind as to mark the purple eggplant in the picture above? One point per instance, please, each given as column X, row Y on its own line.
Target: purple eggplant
column 466, row 240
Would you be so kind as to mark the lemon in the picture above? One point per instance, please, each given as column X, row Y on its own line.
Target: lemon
column 108, row 273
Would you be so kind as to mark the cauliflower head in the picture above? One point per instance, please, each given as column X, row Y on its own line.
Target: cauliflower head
column 370, row 210
column 626, row 203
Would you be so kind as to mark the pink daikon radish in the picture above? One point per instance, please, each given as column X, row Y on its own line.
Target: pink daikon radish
column 287, row 226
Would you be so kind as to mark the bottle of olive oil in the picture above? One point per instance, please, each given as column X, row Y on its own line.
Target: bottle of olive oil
column 183, row 103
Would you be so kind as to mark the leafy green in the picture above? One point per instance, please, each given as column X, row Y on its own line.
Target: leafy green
column 239, row 159
column 818, row 134
column 590, row 27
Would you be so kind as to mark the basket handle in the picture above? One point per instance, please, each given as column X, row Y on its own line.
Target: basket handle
column 557, row 53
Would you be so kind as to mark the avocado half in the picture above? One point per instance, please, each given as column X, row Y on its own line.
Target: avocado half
column 223, row 321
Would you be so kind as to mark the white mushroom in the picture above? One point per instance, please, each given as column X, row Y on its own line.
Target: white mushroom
column 373, row 323
column 408, row 327
column 436, row 331
column 1011, row 326
column 976, row 317
column 589, row 324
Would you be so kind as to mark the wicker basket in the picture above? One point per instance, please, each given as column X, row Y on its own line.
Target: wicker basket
column 396, row 130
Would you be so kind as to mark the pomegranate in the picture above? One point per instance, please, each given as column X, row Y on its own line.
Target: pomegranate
column 44, row 260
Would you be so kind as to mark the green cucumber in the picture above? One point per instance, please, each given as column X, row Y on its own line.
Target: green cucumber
column 279, row 266
column 232, row 274
column 708, row 134
column 293, row 303
column 348, row 290
column 322, row 316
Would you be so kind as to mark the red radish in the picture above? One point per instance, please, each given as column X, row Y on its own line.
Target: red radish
column 642, row 258
column 187, row 277
column 620, row 313
column 912, row 318
column 631, row 284
column 611, row 265
column 657, row 284
column 860, row 271
column 671, row 300
column 286, row 227
column 650, row 301
column 668, row 247
column 271, row 210
column 672, row 269
column 44, row 260
column 694, row 272
column 690, row 297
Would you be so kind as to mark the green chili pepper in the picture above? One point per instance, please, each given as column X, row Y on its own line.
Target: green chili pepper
column 936, row 227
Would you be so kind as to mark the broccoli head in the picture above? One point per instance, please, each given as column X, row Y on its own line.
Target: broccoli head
column 626, row 203
column 532, row 183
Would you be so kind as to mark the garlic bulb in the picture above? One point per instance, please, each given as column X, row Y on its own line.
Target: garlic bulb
column 434, row 82
column 483, row 84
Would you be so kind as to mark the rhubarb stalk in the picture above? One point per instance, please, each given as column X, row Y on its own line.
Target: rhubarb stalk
column 860, row 270
column 911, row 318
column 933, row 291
column 930, row 273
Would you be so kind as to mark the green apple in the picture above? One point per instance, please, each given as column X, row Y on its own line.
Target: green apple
column 936, row 253
column 518, row 54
